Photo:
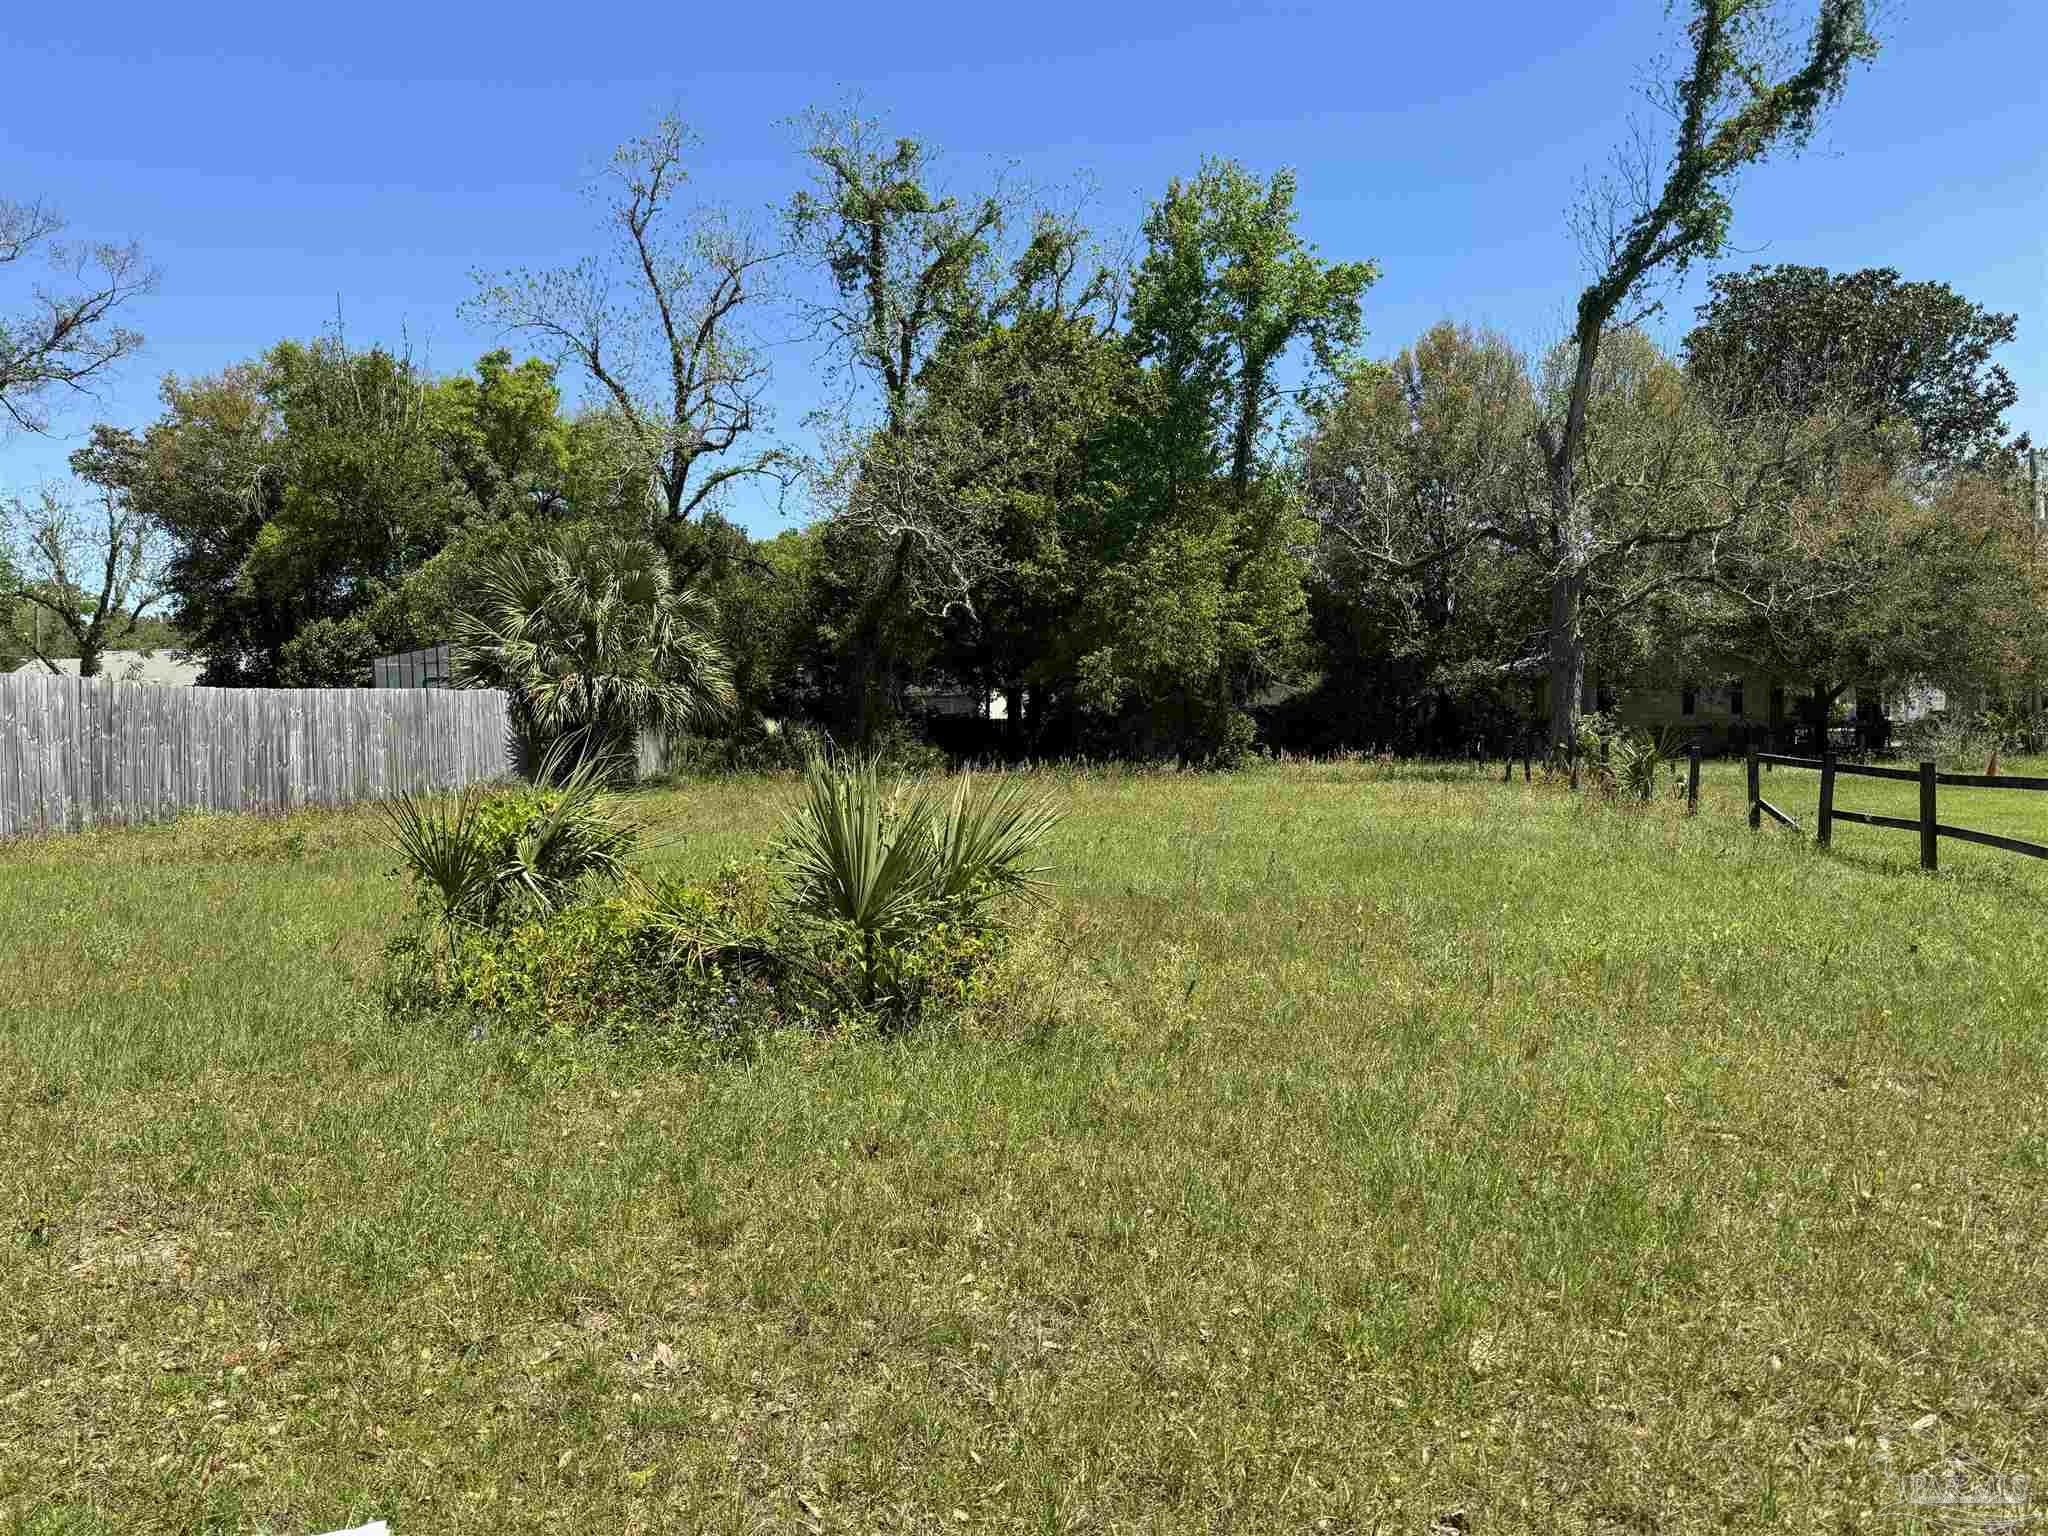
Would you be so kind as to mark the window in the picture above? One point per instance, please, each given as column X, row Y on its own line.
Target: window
column 1688, row 700
column 1735, row 698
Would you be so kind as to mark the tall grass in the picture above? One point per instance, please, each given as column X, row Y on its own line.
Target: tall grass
column 1349, row 1152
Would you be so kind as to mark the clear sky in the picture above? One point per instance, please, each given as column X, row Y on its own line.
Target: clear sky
column 278, row 160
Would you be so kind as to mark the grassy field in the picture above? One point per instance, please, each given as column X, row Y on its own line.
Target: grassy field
column 1358, row 1152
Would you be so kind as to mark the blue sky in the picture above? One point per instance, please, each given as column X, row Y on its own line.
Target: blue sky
column 279, row 160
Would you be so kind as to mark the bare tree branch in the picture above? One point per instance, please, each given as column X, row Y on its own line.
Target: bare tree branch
column 96, row 563
column 68, row 336
column 656, row 322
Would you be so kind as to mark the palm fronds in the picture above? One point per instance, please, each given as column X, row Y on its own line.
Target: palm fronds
column 856, row 860
column 489, row 851
column 982, row 837
column 590, row 633
column 572, row 835
column 886, row 865
column 441, row 846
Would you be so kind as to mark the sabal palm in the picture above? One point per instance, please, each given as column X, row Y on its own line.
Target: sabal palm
column 851, row 862
column 591, row 636
column 885, row 866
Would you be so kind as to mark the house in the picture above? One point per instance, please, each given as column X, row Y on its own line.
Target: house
column 160, row 667
column 1742, row 706
column 956, row 703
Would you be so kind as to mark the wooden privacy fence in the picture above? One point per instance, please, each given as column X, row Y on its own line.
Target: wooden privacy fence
column 81, row 752
column 1927, row 824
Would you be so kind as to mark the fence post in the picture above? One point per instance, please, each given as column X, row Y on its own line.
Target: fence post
column 1927, row 854
column 1824, row 823
column 1692, row 779
column 1528, row 754
column 1756, row 792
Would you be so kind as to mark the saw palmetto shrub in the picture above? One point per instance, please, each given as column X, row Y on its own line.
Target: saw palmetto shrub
column 881, row 904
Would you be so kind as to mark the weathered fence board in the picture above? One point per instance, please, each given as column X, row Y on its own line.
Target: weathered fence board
column 85, row 752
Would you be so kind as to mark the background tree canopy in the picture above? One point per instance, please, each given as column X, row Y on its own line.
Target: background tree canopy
column 1131, row 491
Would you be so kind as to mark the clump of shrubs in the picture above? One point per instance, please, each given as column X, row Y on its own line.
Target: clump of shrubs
column 756, row 745
column 1627, row 766
column 881, row 904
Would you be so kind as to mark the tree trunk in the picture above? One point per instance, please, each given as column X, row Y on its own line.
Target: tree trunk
column 871, row 663
column 1567, row 661
column 1567, row 588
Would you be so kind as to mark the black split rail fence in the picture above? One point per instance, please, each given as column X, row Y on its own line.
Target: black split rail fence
column 1928, row 823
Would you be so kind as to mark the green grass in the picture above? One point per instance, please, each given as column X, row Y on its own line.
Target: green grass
column 1353, row 1149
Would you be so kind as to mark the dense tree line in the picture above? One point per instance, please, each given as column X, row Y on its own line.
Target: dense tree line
column 1149, row 491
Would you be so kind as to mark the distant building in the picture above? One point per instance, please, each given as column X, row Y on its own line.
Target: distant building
column 1745, row 706
column 159, row 667
column 412, row 669
column 956, row 703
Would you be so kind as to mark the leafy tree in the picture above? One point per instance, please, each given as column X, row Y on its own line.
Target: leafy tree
column 504, row 435
column 19, row 626
column 1400, row 466
column 95, row 570
column 1032, row 390
column 658, row 322
column 593, row 640
column 212, row 475
column 1804, row 339
column 69, row 335
column 303, row 490
column 1864, row 574
column 366, row 492
column 902, row 265
column 762, row 597
column 294, row 489
column 1226, row 289
column 1202, row 610
column 1748, row 90
column 412, row 614
column 1865, row 582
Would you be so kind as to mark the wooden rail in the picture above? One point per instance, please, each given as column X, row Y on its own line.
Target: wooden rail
column 1928, row 824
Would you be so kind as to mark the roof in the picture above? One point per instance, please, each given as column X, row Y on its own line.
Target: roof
column 129, row 667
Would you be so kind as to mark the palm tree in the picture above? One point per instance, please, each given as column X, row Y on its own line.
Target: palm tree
column 593, row 641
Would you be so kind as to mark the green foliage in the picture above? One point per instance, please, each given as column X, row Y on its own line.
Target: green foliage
column 304, row 491
column 504, row 434
column 603, row 971
column 1226, row 288
column 983, row 839
column 594, row 640
column 764, row 595
column 1641, row 765
column 1805, row 339
column 861, row 861
column 876, row 903
column 886, row 866
column 1204, row 605
column 755, row 745
column 488, row 855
